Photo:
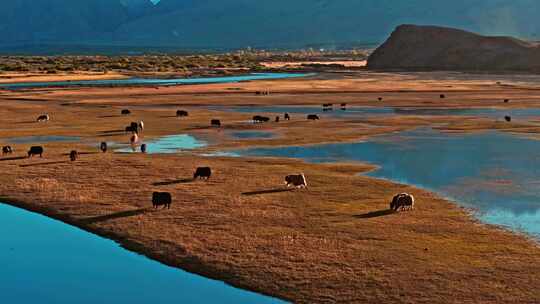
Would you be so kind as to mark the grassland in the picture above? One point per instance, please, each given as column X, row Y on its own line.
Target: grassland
column 62, row 68
column 334, row 242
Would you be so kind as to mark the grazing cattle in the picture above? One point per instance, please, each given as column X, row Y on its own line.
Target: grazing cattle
column 328, row 107
column 287, row 116
column 403, row 201
column 7, row 150
column 103, row 147
column 125, row 112
column 506, row 100
column 181, row 113
column 35, row 150
column 43, row 118
column 202, row 172
column 508, row 118
column 343, row 106
column 442, row 96
column 143, row 148
column 73, row 155
column 298, row 181
column 215, row 123
column 312, row 117
column 141, row 125
column 380, row 99
column 161, row 199
column 260, row 119
column 134, row 139
column 277, row 118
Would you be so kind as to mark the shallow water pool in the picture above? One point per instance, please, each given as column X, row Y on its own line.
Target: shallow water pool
column 355, row 111
column 47, row 261
column 252, row 135
column 41, row 139
column 168, row 144
column 496, row 174
column 154, row 81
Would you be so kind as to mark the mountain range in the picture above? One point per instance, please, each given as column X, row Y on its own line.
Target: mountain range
column 233, row 24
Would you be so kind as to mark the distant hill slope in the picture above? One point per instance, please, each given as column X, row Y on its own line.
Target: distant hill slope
column 301, row 23
column 52, row 21
column 412, row 47
column 242, row 23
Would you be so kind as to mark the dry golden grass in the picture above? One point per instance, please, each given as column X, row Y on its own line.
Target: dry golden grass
column 334, row 242
column 6, row 78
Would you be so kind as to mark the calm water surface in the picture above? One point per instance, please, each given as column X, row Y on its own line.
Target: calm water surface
column 46, row 261
column 41, row 139
column 154, row 81
column 496, row 174
column 168, row 144
column 252, row 135
column 353, row 112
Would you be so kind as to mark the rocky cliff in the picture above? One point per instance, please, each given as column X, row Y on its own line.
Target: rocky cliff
column 412, row 47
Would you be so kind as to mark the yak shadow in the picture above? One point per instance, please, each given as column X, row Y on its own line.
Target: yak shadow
column 268, row 191
column 82, row 153
column 46, row 163
column 14, row 158
column 109, row 116
column 26, row 122
column 111, row 134
column 174, row 182
column 375, row 214
column 88, row 153
column 111, row 131
column 116, row 215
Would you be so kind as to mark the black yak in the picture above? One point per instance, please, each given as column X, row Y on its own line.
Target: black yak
column 161, row 199
column 35, row 150
column 403, row 201
column 298, row 181
column 202, row 172
column 73, row 155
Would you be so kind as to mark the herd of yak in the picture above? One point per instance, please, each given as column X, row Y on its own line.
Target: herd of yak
column 402, row 201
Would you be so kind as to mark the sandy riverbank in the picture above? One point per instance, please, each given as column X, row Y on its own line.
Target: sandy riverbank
column 7, row 78
column 332, row 243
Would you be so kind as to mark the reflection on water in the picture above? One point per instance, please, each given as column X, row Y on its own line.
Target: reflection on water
column 41, row 139
column 46, row 261
column 154, row 81
column 353, row 111
column 169, row 144
column 494, row 173
column 304, row 110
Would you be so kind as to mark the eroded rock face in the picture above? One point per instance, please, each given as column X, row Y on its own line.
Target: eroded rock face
column 412, row 47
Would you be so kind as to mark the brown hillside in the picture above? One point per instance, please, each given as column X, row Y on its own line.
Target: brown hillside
column 412, row 47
